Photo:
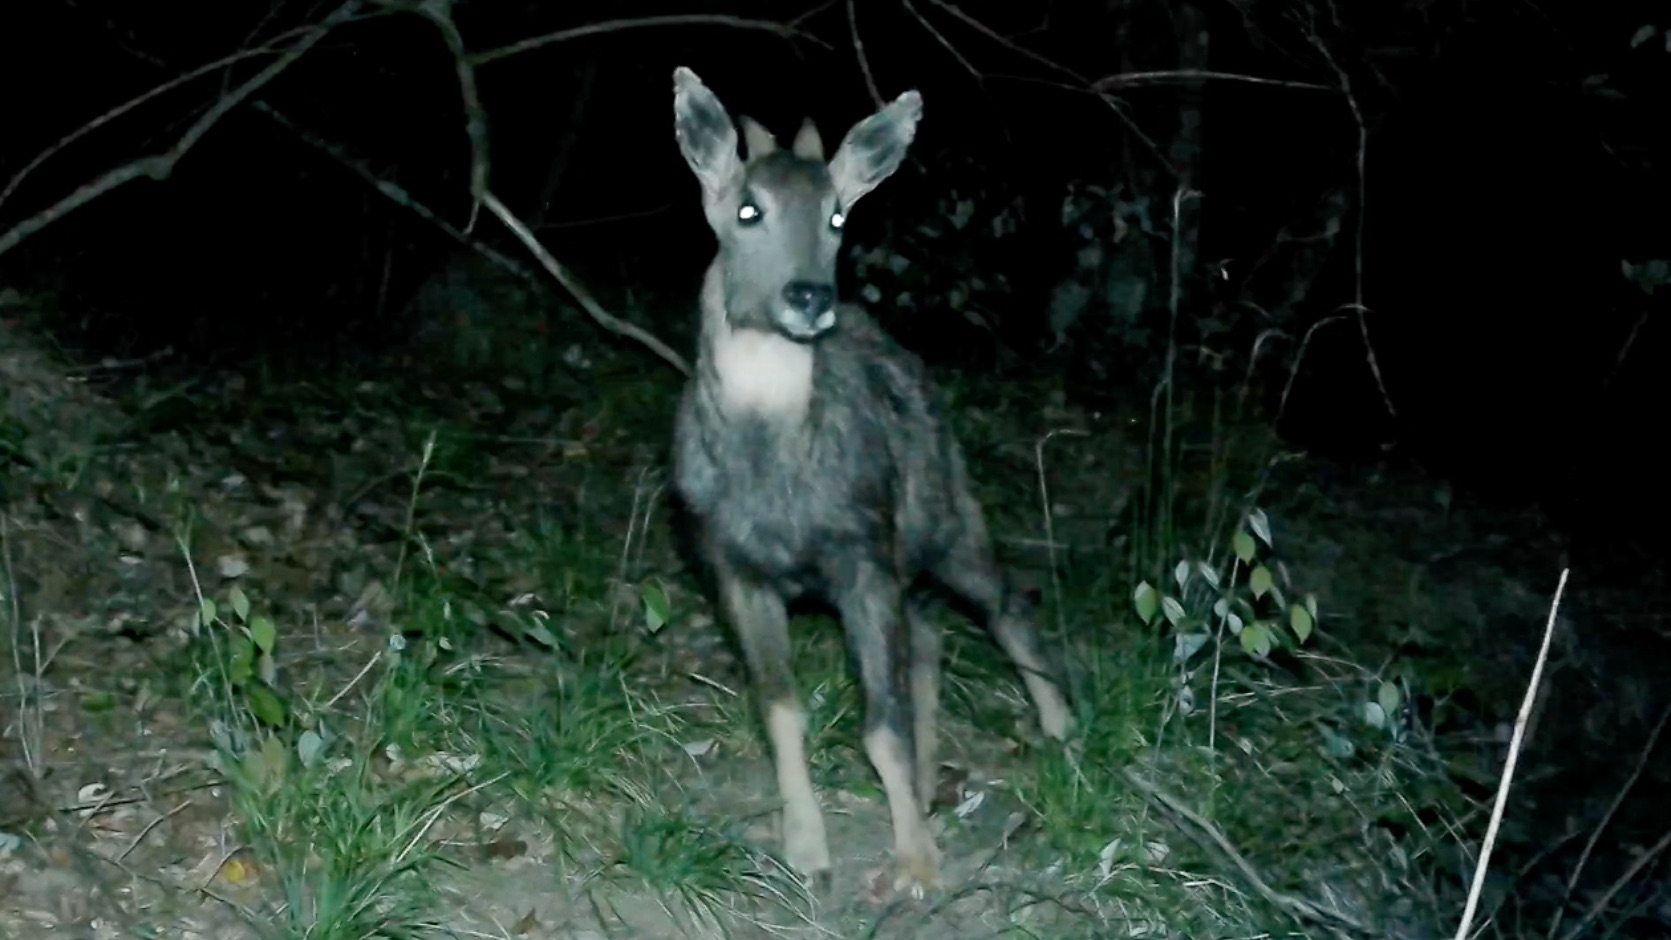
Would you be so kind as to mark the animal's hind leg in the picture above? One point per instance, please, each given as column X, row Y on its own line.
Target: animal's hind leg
column 926, row 649
column 972, row 572
column 869, row 598
column 761, row 620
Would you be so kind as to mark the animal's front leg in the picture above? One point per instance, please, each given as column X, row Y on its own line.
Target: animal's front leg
column 761, row 620
column 869, row 599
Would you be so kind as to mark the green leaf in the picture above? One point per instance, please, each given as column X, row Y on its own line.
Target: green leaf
column 98, row 702
column 268, row 766
column 1374, row 715
column 206, row 611
column 1299, row 620
column 1147, row 603
column 1256, row 640
column 309, row 746
column 656, row 609
column 1389, row 698
column 241, row 666
column 263, row 633
column 1260, row 581
column 1243, row 545
column 266, row 705
column 240, row 603
column 539, row 633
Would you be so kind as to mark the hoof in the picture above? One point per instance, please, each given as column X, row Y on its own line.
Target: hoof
column 804, row 845
column 917, row 870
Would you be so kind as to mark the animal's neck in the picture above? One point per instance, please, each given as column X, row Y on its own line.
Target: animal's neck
column 753, row 372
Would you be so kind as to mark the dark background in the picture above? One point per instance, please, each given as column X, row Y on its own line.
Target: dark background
column 1509, row 170
column 1503, row 162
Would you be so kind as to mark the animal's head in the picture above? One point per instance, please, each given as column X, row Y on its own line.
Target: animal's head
column 779, row 213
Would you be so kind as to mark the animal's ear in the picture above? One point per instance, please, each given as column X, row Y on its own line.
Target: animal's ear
column 707, row 138
column 757, row 141
column 875, row 148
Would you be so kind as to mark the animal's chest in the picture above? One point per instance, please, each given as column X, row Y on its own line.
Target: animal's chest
column 778, row 500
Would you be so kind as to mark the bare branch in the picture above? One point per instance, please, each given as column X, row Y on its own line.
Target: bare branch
column 398, row 195
column 1080, row 82
column 394, row 192
column 579, row 109
column 124, row 108
column 1607, row 817
column 1202, row 830
column 159, row 166
column 859, row 49
column 940, row 38
column 614, row 26
column 1170, row 76
column 440, row 14
column 1358, row 304
column 604, row 319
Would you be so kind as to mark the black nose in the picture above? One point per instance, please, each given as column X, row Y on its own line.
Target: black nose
column 808, row 299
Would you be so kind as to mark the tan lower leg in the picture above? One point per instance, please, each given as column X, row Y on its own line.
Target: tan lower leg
column 916, row 855
column 805, row 846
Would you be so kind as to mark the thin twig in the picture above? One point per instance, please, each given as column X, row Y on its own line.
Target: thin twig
column 1629, row 875
column 940, row 38
column 572, row 284
column 614, row 26
column 1171, row 76
column 1507, row 778
column 29, row 732
column 124, row 108
column 1202, row 828
column 859, row 49
column 159, row 166
column 440, row 14
column 1607, row 817
column 1359, row 306
column 1081, row 82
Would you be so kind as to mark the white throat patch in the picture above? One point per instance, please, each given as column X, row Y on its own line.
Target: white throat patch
column 759, row 373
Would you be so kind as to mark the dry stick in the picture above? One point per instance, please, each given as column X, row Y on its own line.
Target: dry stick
column 859, row 49
column 580, row 108
column 945, row 43
column 124, row 108
column 1358, row 305
column 604, row 319
column 1083, row 84
column 1624, row 350
column 1169, row 76
column 1607, row 817
column 29, row 733
column 1520, row 721
column 394, row 193
column 159, row 166
column 439, row 13
column 784, row 30
column 1296, row 907
column 1629, row 875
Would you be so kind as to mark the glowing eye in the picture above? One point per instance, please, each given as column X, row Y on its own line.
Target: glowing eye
column 748, row 213
column 837, row 220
